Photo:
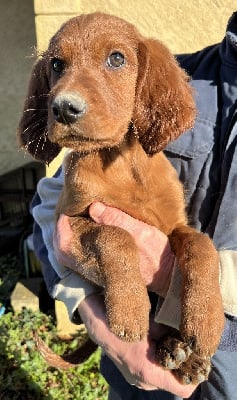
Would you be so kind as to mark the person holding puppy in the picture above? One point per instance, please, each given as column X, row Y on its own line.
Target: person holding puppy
column 206, row 161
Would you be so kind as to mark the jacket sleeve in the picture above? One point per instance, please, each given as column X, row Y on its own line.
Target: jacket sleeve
column 62, row 283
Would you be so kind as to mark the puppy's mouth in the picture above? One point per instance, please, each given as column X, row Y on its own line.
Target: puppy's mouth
column 79, row 142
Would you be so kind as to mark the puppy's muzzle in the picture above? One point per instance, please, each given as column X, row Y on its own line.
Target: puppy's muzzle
column 67, row 108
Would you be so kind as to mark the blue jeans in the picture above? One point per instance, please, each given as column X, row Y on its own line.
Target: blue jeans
column 222, row 383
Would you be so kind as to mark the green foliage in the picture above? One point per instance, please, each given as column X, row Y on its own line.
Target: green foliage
column 24, row 375
column 9, row 274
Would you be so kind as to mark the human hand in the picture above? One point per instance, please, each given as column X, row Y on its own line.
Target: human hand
column 136, row 361
column 156, row 257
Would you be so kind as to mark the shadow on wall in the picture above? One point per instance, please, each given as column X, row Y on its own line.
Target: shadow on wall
column 17, row 43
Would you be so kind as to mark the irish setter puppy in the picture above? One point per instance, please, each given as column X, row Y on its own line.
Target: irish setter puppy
column 116, row 99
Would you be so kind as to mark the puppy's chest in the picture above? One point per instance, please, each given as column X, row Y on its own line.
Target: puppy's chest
column 119, row 183
column 146, row 190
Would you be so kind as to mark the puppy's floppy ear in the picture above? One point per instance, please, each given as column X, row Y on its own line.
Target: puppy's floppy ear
column 32, row 129
column 164, row 106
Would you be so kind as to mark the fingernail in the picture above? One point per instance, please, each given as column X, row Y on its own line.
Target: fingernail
column 96, row 210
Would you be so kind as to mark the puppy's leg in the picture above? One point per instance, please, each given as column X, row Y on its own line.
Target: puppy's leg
column 108, row 256
column 188, row 352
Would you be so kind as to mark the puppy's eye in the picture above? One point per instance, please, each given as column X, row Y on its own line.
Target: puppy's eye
column 116, row 60
column 57, row 65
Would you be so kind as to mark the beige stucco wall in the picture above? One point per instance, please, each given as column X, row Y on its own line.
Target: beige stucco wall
column 17, row 41
column 184, row 25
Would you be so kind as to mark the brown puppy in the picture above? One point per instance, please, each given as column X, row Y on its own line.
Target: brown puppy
column 116, row 99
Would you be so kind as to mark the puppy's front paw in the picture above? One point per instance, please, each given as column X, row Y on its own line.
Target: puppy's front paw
column 129, row 317
column 130, row 331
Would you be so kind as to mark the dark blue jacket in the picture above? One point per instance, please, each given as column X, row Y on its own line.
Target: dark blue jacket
column 206, row 157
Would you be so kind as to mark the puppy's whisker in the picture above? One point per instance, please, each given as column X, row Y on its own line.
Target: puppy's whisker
column 71, row 165
column 38, row 137
column 35, row 137
column 34, row 125
column 36, row 119
column 38, row 96
column 37, row 148
column 35, row 109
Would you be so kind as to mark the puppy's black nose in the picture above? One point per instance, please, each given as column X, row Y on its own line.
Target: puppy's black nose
column 67, row 108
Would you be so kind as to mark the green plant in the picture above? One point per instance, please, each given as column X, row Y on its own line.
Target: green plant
column 24, row 375
column 10, row 272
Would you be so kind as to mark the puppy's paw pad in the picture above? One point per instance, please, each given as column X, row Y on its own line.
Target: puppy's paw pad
column 195, row 370
column 172, row 352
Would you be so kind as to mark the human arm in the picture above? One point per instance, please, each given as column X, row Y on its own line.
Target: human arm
column 62, row 283
column 136, row 361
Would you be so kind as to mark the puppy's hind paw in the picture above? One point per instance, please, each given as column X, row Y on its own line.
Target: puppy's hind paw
column 171, row 352
column 187, row 366
column 195, row 370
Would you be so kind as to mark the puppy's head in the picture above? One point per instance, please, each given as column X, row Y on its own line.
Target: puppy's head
column 98, row 79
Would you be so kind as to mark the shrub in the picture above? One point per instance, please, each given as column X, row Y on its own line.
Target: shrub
column 24, row 375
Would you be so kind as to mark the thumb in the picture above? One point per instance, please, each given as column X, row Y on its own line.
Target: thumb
column 107, row 215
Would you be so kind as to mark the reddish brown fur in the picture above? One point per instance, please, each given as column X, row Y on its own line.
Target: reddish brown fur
column 131, row 114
